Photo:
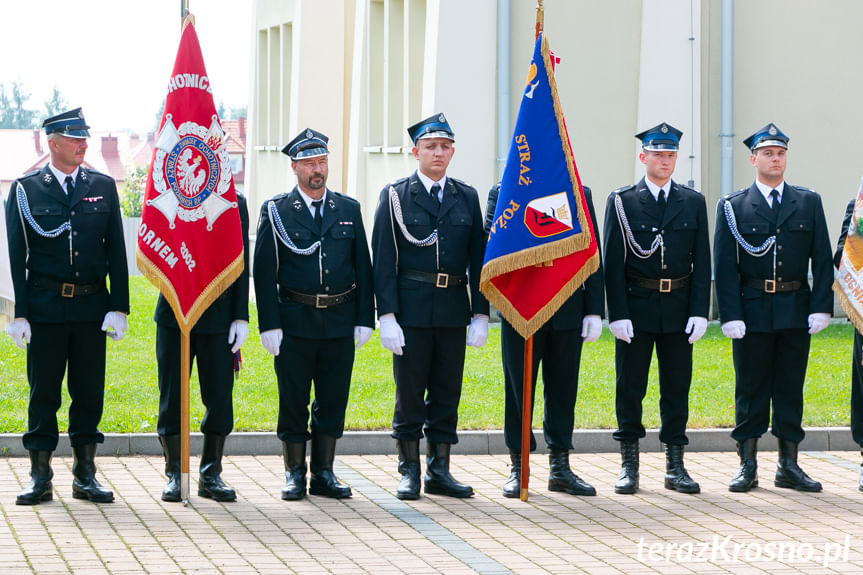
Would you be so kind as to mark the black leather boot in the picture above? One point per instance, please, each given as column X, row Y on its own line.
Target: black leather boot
column 561, row 477
column 438, row 479
column 210, row 484
column 747, row 475
column 323, row 481
column 294, row 455
column 39, row 488
column 512, row 487
column 788, row 473
column 84, row 484
column 171, row 450
column 627, row 481
column 676, row 476
column 409, row 468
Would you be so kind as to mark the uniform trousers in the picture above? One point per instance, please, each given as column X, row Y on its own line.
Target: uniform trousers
column 857, row 389
column 769, row 367
column 215, row 373
column 428, row 378
column 632, row 362
column 326, row 362
column 54, row 346
column 560, row 354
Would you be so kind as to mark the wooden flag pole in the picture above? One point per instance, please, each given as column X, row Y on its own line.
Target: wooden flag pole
column 526, row 411
column 527, row 379
column 185, row 369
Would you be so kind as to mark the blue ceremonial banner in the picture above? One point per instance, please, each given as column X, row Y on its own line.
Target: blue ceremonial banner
column 541, row 246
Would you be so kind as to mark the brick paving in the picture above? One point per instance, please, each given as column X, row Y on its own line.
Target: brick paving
column 654, row 531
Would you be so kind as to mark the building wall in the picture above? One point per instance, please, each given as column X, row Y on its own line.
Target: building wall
column 361, row 71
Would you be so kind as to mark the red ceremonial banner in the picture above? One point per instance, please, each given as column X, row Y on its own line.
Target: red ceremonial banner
column 190, row 242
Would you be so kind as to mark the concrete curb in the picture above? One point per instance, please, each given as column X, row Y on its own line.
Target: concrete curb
column 487, row 442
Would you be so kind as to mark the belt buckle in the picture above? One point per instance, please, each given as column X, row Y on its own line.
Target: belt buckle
column 67, row 290
column 319, row 301
column 442, row 281
column 664, row 285
column 770, row 286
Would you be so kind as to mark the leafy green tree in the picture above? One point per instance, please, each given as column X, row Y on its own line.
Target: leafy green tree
column 132, row 197
column 56, row 104
column 13, row 111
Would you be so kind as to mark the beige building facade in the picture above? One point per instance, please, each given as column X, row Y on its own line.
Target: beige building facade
column 361, row 71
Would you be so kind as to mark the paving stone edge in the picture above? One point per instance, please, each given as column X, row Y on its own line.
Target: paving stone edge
column 489, row 442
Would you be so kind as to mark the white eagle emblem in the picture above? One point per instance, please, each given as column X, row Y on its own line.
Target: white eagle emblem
column 191, row 172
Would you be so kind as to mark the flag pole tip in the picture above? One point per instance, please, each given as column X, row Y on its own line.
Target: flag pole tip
column 523, row 495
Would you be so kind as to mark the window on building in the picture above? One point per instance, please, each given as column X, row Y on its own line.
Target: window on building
column 396, row 40
column 274, row 86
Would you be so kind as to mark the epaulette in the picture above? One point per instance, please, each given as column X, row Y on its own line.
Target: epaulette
column 462, row 182
column 346, row 198
column 624, row 189
column 30, row 174
column 277, row 197
column 92, row 172
column 687, row 188
column 804, row 189
column 735, row 194
column 400, row 181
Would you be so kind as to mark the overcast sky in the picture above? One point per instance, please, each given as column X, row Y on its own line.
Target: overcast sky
column 114, row 57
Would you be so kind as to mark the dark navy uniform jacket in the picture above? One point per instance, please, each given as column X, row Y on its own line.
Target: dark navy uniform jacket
column 589, row 298
column 687, row 252
column 801, row 237
column 232, row 304
column 98, row 249
column 461, row 249
column 344, row 262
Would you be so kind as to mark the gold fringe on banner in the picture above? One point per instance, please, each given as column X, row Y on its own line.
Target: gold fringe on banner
column 549, row 252
column 208, row 295
column 847, row 306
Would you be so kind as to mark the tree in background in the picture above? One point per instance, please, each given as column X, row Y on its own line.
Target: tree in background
column 13, row 111
column 133, row 191
column 56, row 104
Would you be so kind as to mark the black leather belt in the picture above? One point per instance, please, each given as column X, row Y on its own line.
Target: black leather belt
column 320, row 301
column 771, row 286
column 65, row 289
column 663, row 285
column 440, row 280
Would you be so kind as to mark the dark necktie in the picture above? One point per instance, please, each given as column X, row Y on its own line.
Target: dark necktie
column 319, row 217
column 774, row 195
column 661, row 201
column 435, row 190
column 70, row 185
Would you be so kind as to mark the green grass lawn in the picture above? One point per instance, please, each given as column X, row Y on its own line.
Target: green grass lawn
column 131, row 399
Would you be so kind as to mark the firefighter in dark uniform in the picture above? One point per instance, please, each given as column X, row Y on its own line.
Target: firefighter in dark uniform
column 65, row 236
column 557, row 345
column 215, row 340
column 428, row 245
column 766, row 238
column 857, row 353
column 657, row 282
column 313, row 282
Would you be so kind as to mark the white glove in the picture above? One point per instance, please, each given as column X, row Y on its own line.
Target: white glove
column 19, row 330
column 734, row 329
column 477, row 331
column 696, row 326
column 272, row 341
column 115, row 325
column 622, row 330
column 361, row 335
column 591, row 328
column 392, row 336
column 818, row 321
column 237, row 334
